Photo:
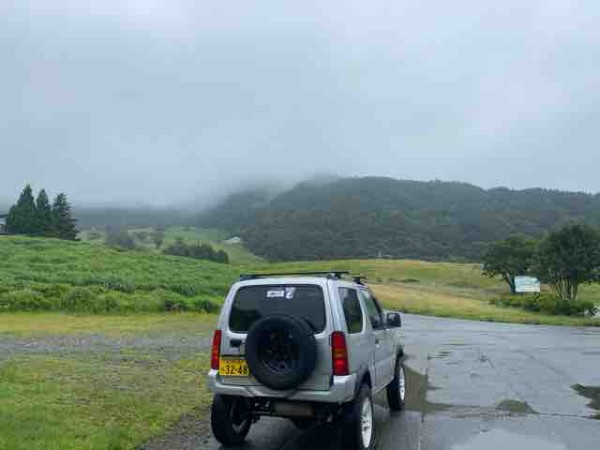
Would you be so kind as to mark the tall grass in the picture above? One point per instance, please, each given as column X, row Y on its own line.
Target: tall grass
column 48, row 274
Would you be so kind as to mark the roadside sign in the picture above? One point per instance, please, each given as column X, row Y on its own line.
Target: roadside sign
column 527, row 284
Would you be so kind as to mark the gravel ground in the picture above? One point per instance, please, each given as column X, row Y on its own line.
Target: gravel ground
column 172, row 345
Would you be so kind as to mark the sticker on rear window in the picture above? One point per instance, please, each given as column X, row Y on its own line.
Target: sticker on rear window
column 287, row 293
column 275, row 293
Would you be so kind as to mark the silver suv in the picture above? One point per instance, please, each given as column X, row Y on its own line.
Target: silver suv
column 311, row 347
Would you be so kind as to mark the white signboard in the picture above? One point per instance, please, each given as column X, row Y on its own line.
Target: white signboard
column 527, row 284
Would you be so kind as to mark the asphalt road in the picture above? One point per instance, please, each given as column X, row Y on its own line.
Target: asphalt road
column 474, row 385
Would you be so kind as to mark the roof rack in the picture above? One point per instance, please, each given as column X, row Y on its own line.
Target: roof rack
column 358, row 279
column 333, row 274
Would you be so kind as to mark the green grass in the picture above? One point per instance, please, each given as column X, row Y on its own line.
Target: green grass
column 47, row 270
column 31, row 324
column 104, row 400
column 439, row 289
column 98, row 400
column 238, row 253
column 39, row 274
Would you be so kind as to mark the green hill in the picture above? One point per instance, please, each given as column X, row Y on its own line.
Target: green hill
column 369, row 217
column 49, row 274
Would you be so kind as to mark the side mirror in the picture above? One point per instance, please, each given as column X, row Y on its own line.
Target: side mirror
column 393, row 320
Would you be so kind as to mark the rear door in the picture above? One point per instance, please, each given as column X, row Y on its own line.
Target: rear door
column 253, row 302
column 380, row 340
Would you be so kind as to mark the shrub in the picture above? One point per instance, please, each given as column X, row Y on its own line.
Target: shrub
column 532, row 303
column 24, row 300
column 197, row 251
column 184, row 289
column 115, row 284
column 576, row 308
column 79, row 299
column 119, row 239
column 107, row 303
column 547, row 304
column 51, row 291
column 205, row 305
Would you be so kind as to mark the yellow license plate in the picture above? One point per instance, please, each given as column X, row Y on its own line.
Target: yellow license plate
column 229, row 367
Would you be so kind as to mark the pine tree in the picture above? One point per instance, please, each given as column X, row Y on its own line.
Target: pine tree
column 22, row 215
column 64, row 223
column 43, row 212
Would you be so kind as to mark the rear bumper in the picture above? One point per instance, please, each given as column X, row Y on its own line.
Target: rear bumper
column 341, row 390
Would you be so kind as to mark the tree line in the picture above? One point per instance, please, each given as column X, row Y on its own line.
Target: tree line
column 365, row 217
column 37, row 217
column 197, row 251
column 565, row 259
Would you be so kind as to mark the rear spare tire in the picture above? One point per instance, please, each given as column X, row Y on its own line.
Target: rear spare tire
column 281, row 351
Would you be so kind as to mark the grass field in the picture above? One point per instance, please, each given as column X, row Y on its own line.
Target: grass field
column 99, row 382
column 238, row 254
column 51, row 274
column 439, row 289
column 114, row 381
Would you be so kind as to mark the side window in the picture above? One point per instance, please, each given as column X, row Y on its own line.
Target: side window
column 352, row 311
column 373, row 310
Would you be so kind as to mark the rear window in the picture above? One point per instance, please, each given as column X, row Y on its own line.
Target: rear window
column 298, row 300
column 352, row 311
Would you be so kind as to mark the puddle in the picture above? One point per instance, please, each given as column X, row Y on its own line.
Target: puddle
column 498, row 439
column 416, row 394
column 515, row 406
column 592, row 393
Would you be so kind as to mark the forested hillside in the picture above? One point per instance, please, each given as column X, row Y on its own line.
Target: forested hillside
column 370, row 217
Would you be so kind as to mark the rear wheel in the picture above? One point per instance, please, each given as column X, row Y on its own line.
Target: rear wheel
column 230, row 420
column 396, row 390
column 359, row 429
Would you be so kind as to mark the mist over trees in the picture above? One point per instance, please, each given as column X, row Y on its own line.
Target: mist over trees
column 35, row 217
column 373, row 216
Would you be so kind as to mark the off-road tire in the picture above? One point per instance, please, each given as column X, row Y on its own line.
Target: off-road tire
column 293, row 340
column 396, row 398
column 223, row 420
column 352, row 437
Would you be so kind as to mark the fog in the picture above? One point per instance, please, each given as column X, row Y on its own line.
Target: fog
column 172, row 101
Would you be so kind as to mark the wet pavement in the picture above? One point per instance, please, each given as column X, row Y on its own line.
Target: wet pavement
column 475, row 385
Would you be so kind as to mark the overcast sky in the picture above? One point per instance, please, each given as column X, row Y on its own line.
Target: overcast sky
column 160, row 101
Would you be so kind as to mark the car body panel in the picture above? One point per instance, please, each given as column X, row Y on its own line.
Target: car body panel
column 364, row 354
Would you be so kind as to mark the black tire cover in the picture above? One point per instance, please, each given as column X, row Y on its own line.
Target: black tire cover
column 281, row 351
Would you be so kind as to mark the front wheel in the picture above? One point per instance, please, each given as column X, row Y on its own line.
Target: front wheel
column 230, row 420
column 359, row 430
column 396, row 390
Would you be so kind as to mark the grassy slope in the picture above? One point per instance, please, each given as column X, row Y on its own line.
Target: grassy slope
column 441, row 289
column 140, row 276
column 238, row 254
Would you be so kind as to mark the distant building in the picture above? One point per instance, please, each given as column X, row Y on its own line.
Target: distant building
column 233, row 240
column 3, row 223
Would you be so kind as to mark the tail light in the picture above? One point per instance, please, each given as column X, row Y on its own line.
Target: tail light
column 339, row 354
column 215, row 353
